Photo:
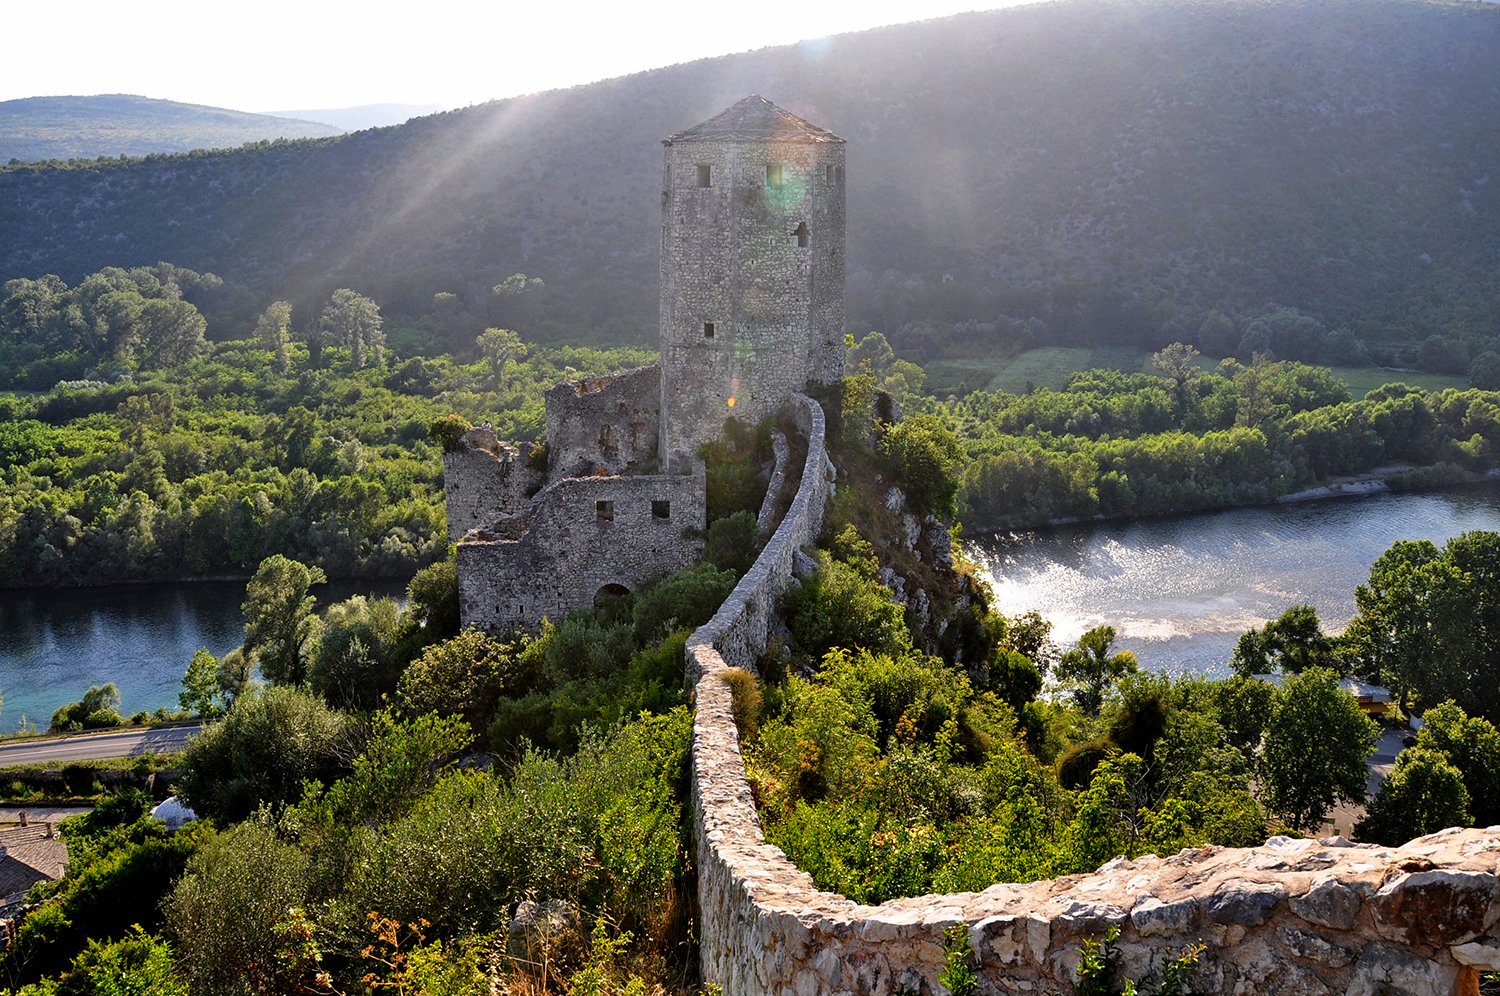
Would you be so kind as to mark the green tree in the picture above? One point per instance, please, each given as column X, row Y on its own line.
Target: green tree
column 925, row 458
column 274, row 328
column 1316, row 744
column 1294, row 641
column 500, row 348
column 201, row 694
column 280, row 626
column 1178, row 364
column 353, row 320
column 1472, row 745
column 1093, row 669
column 1429, row 621
column 262, row 751
column 1423, row 794
column 1484, row 371
column 432, row 601
column 169, row 333
column 357, row 661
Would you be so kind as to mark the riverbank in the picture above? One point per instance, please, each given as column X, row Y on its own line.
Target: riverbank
column 1378, row 481
column 1180, row 590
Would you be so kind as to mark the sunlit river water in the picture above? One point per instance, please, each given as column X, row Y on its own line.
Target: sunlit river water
column 1181, row 590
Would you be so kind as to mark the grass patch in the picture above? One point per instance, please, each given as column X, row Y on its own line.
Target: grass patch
column 1363, row 380
column 142, row 763
column 79, row 783
column 1047, row 366
column 1051, row 366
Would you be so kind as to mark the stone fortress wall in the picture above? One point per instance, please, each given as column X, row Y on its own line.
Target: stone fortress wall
column 546, row 560
column 483, row 478
column 1293, row 917
column 607, row 423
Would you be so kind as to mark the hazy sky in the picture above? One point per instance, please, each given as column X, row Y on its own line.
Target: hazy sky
column 276, row 54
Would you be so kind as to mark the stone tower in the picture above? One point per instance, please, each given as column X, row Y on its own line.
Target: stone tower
column 752, row 270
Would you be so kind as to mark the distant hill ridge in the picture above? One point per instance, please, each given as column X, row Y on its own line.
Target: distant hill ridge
column 33, row 129
column 362, row 116
column 1113, row 170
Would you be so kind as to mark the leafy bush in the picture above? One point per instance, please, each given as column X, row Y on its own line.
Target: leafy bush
column 841, row 607
column 685, row 600
column 733, row 542
column 224, row 911
column 261, row 753
column 98, row 709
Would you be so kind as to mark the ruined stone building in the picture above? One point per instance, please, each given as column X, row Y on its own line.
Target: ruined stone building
column 752, row 310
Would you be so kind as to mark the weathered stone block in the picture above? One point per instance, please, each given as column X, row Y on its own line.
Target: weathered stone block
column 1386, row 970
column 1244, row 903
column 1329, row 904
column 1151, row 917
column 1305, row 944
column 1438, row 907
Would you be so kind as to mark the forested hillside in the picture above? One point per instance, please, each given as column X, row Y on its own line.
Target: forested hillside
column 118, row 124
column 1071, row 171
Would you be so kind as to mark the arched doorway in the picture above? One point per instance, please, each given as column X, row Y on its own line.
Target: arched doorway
column 613, row 603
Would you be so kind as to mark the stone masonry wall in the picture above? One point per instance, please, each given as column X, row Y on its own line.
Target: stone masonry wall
column 606, row 422
column 1293, row 917
column 576, row 537
column 737, row 632
column 484, row 478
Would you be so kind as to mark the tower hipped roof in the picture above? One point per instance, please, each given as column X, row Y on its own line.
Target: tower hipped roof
column 754, row 119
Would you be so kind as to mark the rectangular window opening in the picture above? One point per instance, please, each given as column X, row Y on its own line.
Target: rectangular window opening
column 604, row 511
column 661, row 509
column 773, row 174
column 708, row 330
column 828, row 172
column 705, row 175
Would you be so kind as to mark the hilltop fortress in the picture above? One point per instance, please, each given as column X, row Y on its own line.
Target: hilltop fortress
column 752, row 310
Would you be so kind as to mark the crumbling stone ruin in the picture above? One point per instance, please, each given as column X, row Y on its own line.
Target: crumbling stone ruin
column 752, row 310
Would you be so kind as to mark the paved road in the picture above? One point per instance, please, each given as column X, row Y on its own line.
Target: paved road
column 98, row 745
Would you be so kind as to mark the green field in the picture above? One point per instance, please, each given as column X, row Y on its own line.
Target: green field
column 1050, row 366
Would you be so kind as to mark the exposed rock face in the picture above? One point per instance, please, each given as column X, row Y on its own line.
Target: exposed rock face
column 1293, row 917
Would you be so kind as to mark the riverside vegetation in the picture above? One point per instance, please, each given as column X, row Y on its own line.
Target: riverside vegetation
column 391, row 803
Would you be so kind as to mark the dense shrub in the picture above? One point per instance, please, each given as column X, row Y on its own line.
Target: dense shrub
column 261, row 752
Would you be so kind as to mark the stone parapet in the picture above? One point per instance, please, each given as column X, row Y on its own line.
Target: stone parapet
column 1292, row 917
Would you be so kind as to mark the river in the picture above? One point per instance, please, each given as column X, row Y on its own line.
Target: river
column 1181, row 590
column 55, row 644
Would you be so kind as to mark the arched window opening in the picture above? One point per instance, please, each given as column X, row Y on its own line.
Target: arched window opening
column 804, row 235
